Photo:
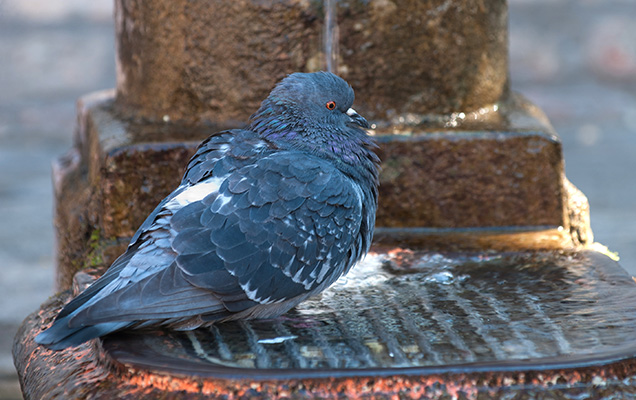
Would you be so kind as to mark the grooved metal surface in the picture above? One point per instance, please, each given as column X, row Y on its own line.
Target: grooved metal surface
column 417, row 312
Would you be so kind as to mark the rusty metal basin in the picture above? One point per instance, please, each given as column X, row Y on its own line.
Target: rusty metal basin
column 403, row 324
column 404, row 312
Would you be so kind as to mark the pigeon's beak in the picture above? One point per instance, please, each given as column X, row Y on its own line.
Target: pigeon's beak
column 357, row 118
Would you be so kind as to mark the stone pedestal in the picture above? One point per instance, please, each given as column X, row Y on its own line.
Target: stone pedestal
column 468, row 166
column 463, row 158
column 217, row 61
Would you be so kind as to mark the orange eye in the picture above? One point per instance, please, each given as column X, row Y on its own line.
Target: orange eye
column 331, row 105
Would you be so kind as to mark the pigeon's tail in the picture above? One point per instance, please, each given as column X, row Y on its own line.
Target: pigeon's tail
column 60, row 336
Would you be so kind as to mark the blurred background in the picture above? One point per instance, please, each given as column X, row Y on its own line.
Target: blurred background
column 576, row 59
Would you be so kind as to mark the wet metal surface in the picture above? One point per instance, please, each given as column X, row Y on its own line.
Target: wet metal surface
column 405, row 312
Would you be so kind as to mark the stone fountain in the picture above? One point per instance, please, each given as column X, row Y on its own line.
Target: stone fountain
column 484, row 279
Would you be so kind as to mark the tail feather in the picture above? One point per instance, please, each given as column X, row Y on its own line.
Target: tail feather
column 59, row 336
column 109, row 276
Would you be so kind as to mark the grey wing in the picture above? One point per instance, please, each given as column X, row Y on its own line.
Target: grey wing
column 274, row 230
column 209, row 160
column 150, row 248
column 300, row 217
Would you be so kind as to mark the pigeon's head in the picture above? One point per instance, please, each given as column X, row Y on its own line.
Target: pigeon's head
column 312, row 110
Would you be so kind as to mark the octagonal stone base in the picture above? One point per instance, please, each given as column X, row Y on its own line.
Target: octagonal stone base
column 404, row 322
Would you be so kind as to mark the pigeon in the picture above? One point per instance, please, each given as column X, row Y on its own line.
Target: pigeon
column 263, row 218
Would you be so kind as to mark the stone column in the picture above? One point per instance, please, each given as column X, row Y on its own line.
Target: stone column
column 463, row 158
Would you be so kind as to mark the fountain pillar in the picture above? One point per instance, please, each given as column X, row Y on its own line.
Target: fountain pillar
column 465, row 161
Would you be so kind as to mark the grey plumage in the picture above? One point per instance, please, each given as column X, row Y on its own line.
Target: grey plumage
column 263, row 218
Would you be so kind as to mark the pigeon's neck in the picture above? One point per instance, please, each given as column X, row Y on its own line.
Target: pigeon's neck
column 272, row 123
column 350, row 148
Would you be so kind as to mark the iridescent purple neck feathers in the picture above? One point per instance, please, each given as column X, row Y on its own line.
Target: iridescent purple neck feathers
column 312, row 112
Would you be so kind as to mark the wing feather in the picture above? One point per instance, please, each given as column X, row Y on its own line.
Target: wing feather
column 273, row 228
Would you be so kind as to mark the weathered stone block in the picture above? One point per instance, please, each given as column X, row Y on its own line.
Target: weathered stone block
column 214, row 60
column 424, row 57
column 471, row 179
column 217, row 60
column 502, row 169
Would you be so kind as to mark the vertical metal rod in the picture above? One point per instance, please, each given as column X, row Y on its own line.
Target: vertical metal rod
column 331, row 36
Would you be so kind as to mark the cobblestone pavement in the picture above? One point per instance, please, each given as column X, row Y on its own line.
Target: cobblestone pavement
column 576, row 60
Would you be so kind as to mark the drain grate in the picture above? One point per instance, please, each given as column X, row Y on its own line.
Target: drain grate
column 419, row 312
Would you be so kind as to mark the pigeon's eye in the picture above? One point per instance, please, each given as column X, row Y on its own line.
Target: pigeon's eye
column 331, row 105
